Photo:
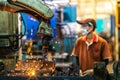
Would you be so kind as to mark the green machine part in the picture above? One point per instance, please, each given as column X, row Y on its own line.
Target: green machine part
column 35, row 8
column 8, row 23
column 8, row 38
column 8, row 28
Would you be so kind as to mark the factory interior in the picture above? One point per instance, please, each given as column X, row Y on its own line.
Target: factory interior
column 37, row 38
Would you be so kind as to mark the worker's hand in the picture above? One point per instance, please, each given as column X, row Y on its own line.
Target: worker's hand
column 81, row 73
column 88, row 72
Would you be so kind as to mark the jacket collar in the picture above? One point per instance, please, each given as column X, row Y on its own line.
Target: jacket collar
column 95, row 38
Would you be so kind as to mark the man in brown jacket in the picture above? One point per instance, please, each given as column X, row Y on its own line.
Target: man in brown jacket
column 90, row 48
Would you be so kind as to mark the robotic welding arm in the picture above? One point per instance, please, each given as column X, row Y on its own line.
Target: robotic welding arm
column 35, row 8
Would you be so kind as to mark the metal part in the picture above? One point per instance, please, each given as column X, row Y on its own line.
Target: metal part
column 2, row 67
column 100, row 71
column 116, row 69
column 69, row 68
column 44, row 29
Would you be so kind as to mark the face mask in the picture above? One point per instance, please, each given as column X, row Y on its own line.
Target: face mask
column 84, row 31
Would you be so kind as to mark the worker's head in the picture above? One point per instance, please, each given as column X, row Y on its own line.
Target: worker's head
column 89, row 24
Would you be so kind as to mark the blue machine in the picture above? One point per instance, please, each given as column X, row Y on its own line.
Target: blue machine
column 30, row 26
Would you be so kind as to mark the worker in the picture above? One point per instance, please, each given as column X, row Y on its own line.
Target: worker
column 90, row 47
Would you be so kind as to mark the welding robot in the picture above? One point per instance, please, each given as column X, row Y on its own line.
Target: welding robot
column 38, row 10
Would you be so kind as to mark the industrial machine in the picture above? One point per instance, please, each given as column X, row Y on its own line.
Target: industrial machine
column 43, row 68
column 42, row 13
